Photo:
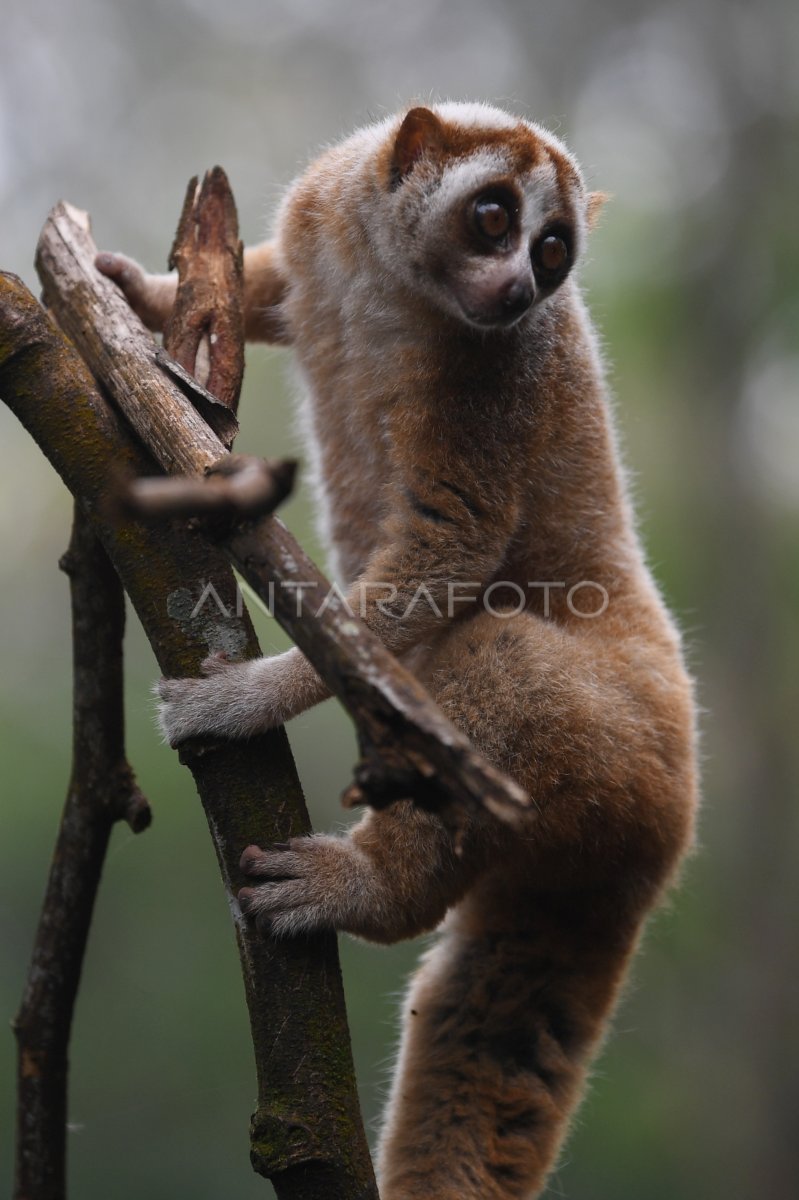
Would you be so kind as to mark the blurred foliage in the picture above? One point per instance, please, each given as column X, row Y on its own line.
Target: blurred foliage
column 687, row 113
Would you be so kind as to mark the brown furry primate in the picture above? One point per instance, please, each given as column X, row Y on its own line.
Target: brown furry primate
column 424, row 272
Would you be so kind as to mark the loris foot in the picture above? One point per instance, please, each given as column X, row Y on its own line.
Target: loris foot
column 314, row 882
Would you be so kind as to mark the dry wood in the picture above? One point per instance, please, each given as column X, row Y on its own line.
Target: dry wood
column 207, row 323
column 394, row 714
column 307, row 1135
column 209, row 312
column 101, row 790
column 118, row 349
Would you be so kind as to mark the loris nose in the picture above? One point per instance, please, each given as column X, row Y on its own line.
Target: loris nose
column 517, row 296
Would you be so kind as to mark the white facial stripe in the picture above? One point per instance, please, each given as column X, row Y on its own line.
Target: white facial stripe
column 540, row 188
column 541, row 196
column 468, row 175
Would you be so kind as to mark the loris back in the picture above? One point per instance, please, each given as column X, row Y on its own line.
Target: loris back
column 424, row 272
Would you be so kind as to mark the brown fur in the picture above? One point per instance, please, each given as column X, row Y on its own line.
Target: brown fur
column 450, row 454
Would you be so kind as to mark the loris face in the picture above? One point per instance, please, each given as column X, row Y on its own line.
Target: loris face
column 488, row 213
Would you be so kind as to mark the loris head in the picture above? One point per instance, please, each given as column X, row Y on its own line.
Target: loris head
column 482, row 213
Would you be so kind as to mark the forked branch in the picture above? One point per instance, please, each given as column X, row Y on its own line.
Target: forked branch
column 405, row 737
column 102, row 790
column 307, row 1134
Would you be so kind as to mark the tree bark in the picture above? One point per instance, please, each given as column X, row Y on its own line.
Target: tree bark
column 101, row 791
column 307, row 1134
column 208, row 314
column 405, row 737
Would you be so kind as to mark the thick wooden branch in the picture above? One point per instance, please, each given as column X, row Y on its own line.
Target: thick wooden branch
column 208, row 315
column 400, row 726
column 101, row 791
column 307, row 1133
column 123, row 356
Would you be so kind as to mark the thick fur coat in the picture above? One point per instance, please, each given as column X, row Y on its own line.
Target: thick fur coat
column 424, row 272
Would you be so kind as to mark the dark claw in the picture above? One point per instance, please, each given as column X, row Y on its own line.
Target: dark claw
column 212, row 664
column 245, row 899
column 104, row 262
column 248, row 858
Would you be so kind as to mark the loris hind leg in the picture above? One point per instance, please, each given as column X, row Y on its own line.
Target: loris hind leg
column 498, row 1029
column 503, row 1017
column 392, row 877
column 597, row 729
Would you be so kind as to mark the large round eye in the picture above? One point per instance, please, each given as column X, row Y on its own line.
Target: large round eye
column 551, row 256
column 554, row 253
column 492, row 219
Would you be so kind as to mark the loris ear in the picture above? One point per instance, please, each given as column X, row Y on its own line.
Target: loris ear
column 596, row 202
column 421, row 134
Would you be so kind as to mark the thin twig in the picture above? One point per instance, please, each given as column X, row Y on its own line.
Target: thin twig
column 101, row 790
column 240, row 488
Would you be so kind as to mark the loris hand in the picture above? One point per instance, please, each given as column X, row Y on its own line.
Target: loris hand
column 150, row 296
column 238, row 700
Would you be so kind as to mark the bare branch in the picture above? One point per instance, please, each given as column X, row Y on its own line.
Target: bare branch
column 211, row 409
column 394, row 714
column 209, row 312
column 124, row 356
column 101, row 790
column 307, row 1135
column 240, row 487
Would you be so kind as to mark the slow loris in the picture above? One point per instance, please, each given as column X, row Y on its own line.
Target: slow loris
column 424, row 272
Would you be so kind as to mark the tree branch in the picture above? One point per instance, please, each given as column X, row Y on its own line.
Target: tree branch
column 208, row 314
column 405, row 738
column 307, row 1134
column 101, row 791
column 241, row 487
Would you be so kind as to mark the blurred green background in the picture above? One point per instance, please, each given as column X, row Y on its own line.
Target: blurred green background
column 687, row 113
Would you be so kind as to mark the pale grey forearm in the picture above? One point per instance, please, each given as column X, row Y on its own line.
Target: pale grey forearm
column 239, row 700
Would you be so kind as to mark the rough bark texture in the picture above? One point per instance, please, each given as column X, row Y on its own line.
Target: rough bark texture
column 209, row 307
column 121, row 354
column 101, row 791
column 393, row 712
column 307, row 1133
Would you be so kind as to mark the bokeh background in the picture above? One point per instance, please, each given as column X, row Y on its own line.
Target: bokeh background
column 687, row 113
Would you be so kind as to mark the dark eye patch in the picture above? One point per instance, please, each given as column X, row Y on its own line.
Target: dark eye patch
column 552, row 254
column 493, row 216
column 492, row 219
